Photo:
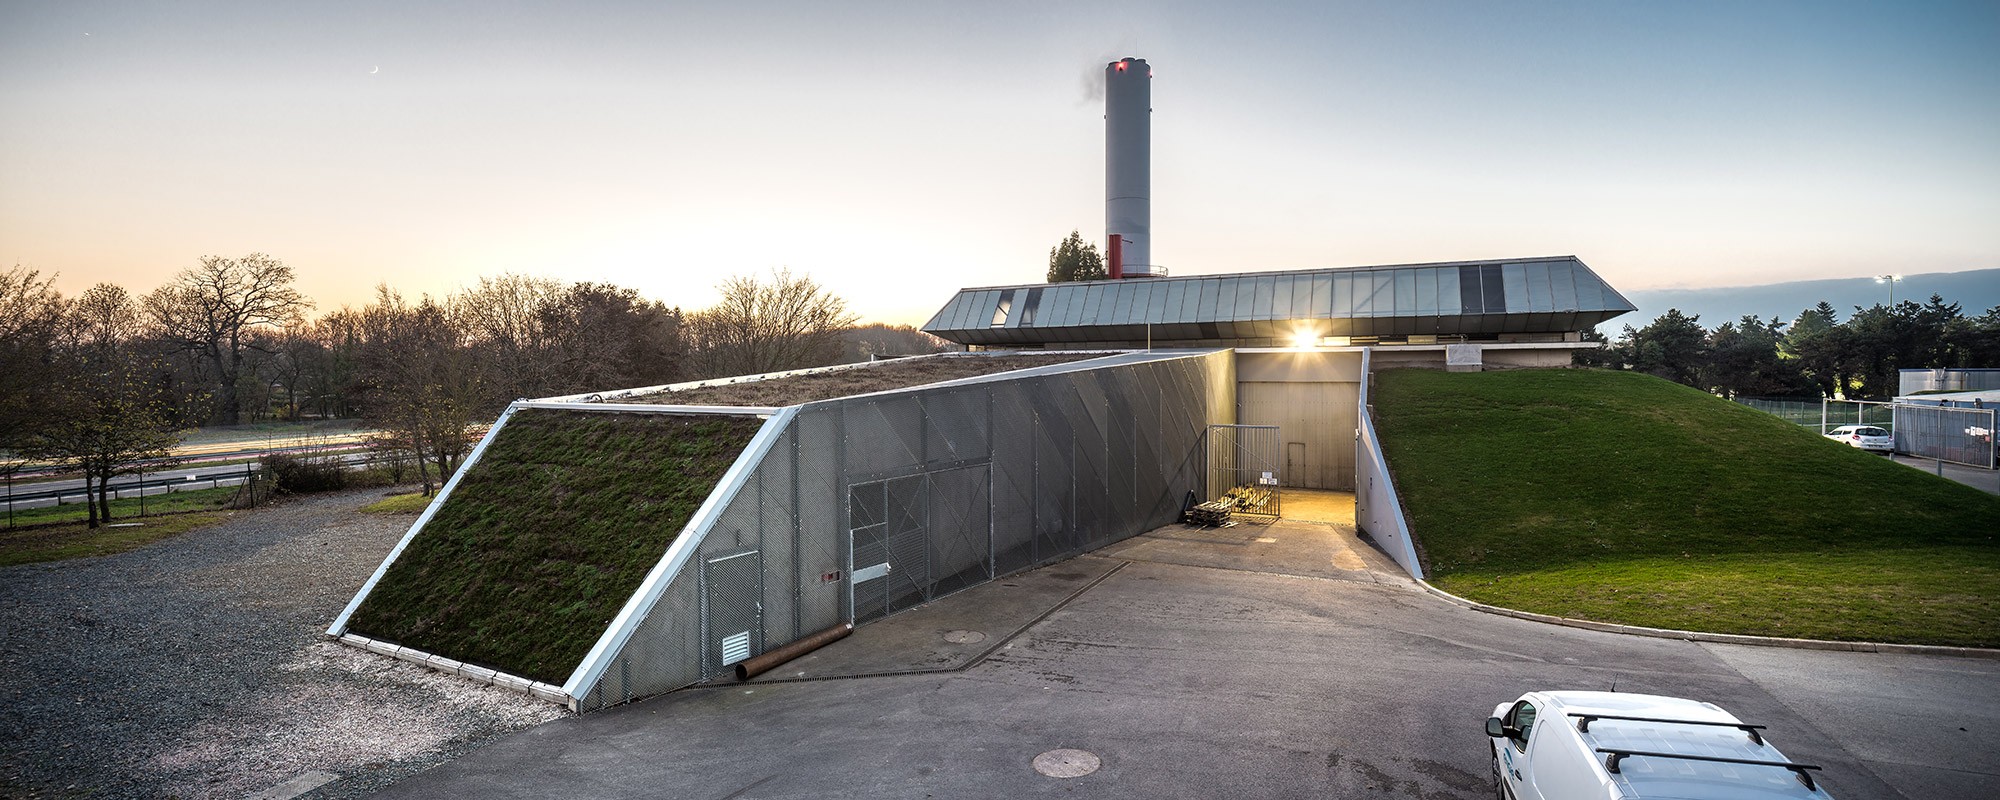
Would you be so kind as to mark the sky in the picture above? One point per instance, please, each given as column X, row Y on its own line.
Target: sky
column 896, row 152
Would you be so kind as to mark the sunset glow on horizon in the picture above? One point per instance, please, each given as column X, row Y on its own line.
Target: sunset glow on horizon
column 899, row 151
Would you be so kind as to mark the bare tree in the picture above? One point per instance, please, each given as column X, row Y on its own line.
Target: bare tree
column 214, row 309
column 31, row 314
column 422, row 380
column 790, row 322
column 506, row 319
column 104, row 318
column 869, row 342
column 331, row 379
column 109, row 414
column 606, row 336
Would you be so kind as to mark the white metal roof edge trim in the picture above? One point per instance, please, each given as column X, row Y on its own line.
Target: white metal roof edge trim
column 589, row 671
column 616, row 394
column 473, row 672
column 650, row 408
column 339, row 625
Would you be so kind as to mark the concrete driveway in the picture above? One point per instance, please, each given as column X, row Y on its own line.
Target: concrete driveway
column 1985, row 480
column 1276, row 661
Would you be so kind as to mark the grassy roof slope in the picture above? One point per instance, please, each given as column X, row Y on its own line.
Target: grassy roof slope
column 545, row 538
column 878, row 377
column 1624, row 498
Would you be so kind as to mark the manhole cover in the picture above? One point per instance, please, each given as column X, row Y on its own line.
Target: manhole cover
column 1067, row 763
column 964, row 637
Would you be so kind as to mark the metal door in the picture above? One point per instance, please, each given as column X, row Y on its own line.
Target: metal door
column 1320, row 416
column 732, row 609
column 867, row 551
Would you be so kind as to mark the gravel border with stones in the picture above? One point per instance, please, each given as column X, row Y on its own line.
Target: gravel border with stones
column 197, row 667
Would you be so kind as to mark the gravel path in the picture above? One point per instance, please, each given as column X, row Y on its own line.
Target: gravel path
column 196, row 667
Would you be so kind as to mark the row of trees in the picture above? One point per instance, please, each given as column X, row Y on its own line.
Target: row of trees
column 106, row 380
column 1815, row 355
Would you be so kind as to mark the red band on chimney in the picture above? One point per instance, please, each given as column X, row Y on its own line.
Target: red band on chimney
column 1116, row 246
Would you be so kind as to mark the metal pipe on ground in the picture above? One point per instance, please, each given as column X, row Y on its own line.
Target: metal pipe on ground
column 745, row 670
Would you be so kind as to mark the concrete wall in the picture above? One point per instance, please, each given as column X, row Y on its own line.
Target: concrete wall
column 1378, row 512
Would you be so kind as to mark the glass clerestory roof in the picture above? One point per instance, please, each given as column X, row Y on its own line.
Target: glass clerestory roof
column 1529, row 296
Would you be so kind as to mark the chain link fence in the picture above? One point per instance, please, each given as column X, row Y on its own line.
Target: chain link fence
column 1942, row 433
column 1825, row 415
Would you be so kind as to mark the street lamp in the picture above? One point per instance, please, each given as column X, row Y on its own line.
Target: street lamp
column 1891, row 280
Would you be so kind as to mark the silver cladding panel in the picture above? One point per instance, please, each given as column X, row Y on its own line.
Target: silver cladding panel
column 1531, row 296
column 974, row 480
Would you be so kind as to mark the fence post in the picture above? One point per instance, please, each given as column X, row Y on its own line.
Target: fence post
column 1822, row 416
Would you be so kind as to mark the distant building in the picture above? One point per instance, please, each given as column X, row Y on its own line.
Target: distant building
column 1298, row 335
column 1914, row 381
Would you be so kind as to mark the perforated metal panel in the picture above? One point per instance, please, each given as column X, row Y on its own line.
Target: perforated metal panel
column 868, row 506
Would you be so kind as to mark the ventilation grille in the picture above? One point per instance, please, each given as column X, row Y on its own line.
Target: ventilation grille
column 735, row 648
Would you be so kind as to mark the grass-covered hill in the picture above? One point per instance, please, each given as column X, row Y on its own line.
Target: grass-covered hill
column 1623, row 498
column 545, row 538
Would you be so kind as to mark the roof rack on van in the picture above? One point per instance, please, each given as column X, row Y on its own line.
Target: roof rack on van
column 1584, row 720
column 1619, row 754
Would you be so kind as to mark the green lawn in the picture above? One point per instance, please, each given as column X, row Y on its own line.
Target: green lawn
column 544, row 539
column 127, row 510
column 410, row 503
column 1624, row 498
column 58, row 542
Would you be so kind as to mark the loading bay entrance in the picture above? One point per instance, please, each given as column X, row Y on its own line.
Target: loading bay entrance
column 1310, row 398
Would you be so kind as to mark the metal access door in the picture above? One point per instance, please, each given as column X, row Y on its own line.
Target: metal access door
column 888, row 550
column 1318, row 417
column 732, row 612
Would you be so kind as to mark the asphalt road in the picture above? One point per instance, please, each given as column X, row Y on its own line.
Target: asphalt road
column 1985, row 480
column 1280, row 662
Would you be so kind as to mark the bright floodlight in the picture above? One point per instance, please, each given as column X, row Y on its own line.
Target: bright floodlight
column 1304, row 338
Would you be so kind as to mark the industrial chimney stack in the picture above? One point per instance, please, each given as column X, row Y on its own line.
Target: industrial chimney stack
column 1128, row 165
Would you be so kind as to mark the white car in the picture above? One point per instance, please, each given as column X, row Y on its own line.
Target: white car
column 1620, row 746
column 1866, row 437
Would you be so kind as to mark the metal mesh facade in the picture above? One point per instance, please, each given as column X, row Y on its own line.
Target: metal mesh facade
column 1957, row 435
column 869, row 505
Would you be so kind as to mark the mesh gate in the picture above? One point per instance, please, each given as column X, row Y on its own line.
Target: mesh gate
column 1957, row 435
column 1243, row 466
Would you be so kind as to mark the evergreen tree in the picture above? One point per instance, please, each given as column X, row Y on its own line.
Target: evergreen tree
column 1674, row 347
column 1075, row 260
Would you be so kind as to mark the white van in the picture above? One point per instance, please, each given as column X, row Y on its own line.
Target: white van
column 1619, row 746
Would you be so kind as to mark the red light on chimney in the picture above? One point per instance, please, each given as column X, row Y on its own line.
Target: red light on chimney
column 1121, row 66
